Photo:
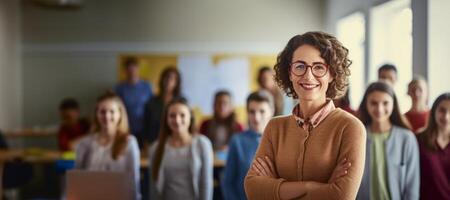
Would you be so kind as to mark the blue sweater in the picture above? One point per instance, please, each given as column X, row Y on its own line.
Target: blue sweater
column 135, row 97
column 242, row 148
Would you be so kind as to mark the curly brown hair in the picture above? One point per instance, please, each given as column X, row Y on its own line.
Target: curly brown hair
column 331, row 50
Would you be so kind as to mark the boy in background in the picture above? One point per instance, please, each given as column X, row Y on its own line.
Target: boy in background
column 72, row 126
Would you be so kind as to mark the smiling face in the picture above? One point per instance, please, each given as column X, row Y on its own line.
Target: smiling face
column 380, row 106
column 179, row 118
column 307, row 86
column 108, row 115
column 442, row 115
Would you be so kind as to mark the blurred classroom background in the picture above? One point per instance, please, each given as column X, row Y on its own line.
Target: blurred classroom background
column 54, row 49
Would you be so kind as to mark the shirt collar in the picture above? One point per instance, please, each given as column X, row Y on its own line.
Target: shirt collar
column 316, row 118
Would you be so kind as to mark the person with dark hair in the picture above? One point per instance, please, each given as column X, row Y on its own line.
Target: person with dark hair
column 242, row 147
column 169, row 88
column 223, row 125
column 418, row 114
column 434, row 151
column 267, row 82
column 392, row 155
column 72, row 126
column 181, row 161
column 344, row 103
column 388, row 73
column 318, row 151
column 134, row 93
column 111, row 147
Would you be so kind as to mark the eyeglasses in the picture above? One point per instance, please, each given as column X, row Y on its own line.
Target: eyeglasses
column 299, row 68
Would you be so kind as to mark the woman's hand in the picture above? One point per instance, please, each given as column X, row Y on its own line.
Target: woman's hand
column 264, row 167
column 340, row 170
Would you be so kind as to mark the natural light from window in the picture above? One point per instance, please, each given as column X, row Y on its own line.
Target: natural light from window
column 351, row 32
column 391, row 42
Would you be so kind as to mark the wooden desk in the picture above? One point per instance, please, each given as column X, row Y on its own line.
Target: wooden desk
column 48, row 156
column 32, row 156
column 30, row 133
column 39, row 156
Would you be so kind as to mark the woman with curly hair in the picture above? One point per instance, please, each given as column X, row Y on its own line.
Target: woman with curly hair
column 317, row 152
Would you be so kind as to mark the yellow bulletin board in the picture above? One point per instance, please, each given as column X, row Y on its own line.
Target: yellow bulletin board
column 151, row 66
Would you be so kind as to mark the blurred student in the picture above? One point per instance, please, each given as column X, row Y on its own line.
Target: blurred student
column 134, row 93
column 266, row 82
column 392, row 155
column 435, row 152
column 418, row 114
column 110, row 147
column 242, row 147
column 388, row 73
column 181, row 161
column 344, row 103
column 169, row 88
column 223, row 125
column 72, row 126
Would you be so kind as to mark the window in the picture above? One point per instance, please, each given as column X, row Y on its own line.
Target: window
column 391, row 42
column 351, row 32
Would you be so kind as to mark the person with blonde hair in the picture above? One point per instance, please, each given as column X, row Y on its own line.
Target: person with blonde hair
column 111, row 147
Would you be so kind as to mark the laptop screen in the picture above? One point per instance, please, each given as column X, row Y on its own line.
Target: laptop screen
column 87, row 185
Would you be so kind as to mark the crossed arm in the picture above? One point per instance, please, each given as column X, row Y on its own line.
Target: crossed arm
column 263, row 182
column 289, row 190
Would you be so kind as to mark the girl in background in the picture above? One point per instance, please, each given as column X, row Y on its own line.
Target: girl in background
column 110, row 147
column 266, row 82
column 223, row 125
column 181, row 161
column 169, row 88
column 392, row 156
column 435, row 152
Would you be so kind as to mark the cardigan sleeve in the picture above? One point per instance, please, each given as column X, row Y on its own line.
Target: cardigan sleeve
column 353, row 147
column 412, row 176
column 82, row 152
column 206, row 176
column 133, row 166
column 260, row 187
column 153, row 192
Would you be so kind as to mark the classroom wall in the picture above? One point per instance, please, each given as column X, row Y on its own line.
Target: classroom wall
column 438, row 47
column 74, row 52
column 10, row 70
